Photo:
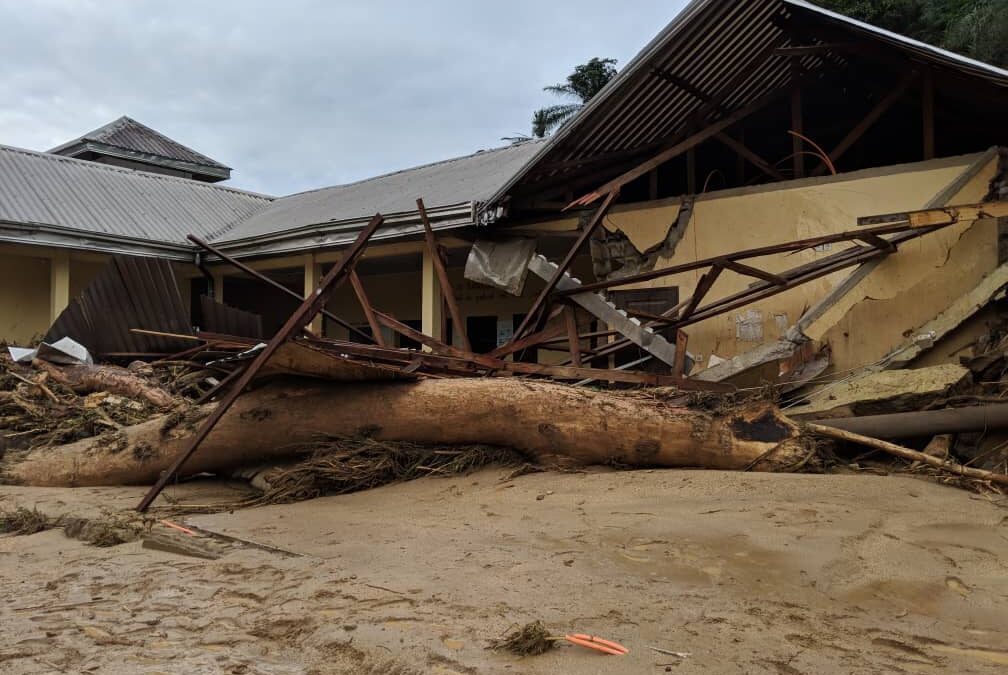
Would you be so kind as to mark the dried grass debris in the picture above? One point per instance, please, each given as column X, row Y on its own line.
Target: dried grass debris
column 103, row 532
column 532, row 639
column 343, row 465
column 21, row 521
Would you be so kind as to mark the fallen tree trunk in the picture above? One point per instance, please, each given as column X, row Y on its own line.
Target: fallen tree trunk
column 111, row 379
column 541, row 419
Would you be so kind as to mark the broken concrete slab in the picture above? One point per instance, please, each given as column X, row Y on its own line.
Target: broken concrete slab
column 943, row 324
column 876, row 393
column 760, row 363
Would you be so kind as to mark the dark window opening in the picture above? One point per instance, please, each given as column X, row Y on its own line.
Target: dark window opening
column 355, row 337
column 648, row 300
column 482, row 333
column 198, row 287
column 410, row 343
column 530, row 355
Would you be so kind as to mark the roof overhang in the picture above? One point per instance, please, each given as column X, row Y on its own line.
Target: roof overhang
column 39, row 234
column 85, row 146
column 336, row 234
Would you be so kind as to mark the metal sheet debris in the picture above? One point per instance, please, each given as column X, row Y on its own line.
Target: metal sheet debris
column 500, row 263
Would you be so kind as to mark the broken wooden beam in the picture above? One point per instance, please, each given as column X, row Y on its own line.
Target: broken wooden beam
column 939, row 216
column 301, row 317
column 442, row 274
column 953, row 468
column 366, row 307
column 275, row 284
column 869, row 120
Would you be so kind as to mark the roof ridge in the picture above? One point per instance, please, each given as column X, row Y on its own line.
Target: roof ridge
column 119, row 169
column 126, row 121
column 414, row 168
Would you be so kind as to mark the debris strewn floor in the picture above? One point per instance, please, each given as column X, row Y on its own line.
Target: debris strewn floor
column 745, row 573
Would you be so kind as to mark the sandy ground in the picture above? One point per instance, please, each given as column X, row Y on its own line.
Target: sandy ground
column 745, row 573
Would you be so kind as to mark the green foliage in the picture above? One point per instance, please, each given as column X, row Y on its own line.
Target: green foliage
column 976, row 28
column 587, row 80
column 982, row 32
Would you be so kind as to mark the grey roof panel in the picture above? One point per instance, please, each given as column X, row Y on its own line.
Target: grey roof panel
column 44, row 189
column 129, row 134
column 462, row 180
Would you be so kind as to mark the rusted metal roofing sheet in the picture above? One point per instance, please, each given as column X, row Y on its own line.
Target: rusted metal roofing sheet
column 129, row 134
column 130, row 292
column 709, row 44
column 70, row 197
column 220, row 318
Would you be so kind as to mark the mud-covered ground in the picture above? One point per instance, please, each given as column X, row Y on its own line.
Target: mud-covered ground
column 745, row 573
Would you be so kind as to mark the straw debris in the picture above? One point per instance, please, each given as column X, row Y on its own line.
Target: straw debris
column 102, row 532
column 532, row 639
column 343, row 465
column 23, row 521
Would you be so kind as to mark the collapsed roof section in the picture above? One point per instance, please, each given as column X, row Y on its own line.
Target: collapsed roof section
column 126, row 142
column 737, row 77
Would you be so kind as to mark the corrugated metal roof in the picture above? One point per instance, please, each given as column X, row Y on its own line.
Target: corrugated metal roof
column 129, row 134
column 129, row 292
column 719, row 47
column 457, row 181
column 40, row 189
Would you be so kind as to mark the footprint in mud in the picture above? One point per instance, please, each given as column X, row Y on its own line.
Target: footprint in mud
column 956, row 584
column 910, row 653
column 245, row 598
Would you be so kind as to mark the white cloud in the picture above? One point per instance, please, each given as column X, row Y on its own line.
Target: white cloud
column 298, row 95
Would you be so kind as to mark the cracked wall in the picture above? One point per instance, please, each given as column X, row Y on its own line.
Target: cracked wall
column 746, row 218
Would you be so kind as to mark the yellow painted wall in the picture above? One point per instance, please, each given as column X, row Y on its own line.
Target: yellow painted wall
column 24, row 298
column 751, row 218
column 396, row 294
column 25, row 286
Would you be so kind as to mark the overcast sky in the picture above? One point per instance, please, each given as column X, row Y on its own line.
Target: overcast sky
column 302, row 94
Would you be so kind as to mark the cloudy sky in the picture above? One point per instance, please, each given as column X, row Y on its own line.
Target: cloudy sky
column 304, row 93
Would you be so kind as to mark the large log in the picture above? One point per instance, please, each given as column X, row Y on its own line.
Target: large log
column 542, row 419
column 111, row 379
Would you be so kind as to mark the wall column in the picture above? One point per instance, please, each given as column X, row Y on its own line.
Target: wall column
column 59, row 283
column 312, row 277
column 218, row 285
column 431, row 300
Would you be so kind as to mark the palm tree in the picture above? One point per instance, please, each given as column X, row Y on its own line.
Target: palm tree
column 587, row 80
column 540, row 123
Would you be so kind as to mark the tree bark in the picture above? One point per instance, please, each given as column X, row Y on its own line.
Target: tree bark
column 114, row 380
column 542, row 419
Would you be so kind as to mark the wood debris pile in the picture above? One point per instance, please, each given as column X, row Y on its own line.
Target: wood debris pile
column 44, row 404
